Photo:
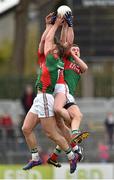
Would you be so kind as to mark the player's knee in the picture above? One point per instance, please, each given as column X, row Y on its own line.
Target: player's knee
column 25, row 130
column 57, row 110
column 77, row 116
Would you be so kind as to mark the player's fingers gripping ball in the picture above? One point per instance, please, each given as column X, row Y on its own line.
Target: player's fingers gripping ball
column 53, row 17
column 69, row 18
column 62, row 10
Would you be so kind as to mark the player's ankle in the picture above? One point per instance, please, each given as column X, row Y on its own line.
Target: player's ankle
column 54, row 157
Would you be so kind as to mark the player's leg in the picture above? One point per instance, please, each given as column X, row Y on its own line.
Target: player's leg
column 59, row 103
column 51, row 130
column 76, row 116
column 30, row 122
column 66, row 131
column 60, row 93
column 53, row 160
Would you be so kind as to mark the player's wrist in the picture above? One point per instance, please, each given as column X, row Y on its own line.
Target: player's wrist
column 48, row 25
column 70, row 25
column 53, row 18
column 70, row 22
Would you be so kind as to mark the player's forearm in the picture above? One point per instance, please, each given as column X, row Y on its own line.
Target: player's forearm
column 51, row 33
column 45, row 32
column 81, row 63
column 42, row 41
column 63, row 36
column 49, row 41
column 70, row 35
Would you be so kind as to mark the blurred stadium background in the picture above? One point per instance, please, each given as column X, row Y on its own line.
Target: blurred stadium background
column 21, row 25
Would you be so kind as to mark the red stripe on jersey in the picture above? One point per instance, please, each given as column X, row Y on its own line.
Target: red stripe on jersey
column 45, row 77
column 41, row 58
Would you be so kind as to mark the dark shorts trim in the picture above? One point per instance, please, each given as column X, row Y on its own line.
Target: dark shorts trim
column 66, row 106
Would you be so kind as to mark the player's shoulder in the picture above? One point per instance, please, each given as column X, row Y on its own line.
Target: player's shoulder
column 51, row 56
column 39, row 53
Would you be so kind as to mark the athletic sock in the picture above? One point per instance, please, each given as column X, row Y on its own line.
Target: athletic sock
column 35, row 154
column 56, row 153
column 74, row 146
column 75, row 132
column 70, row 154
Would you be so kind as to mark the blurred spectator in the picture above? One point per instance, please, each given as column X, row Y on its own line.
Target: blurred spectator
column 1, row 120
column 7, row 121
column 109, row 124
column 27, row 98
column 103, row 152
column 7, row 125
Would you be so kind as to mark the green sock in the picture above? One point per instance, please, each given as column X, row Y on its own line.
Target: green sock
column 76, row 131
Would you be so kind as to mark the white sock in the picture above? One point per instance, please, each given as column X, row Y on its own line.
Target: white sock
column 70, row 155
column 35, row 156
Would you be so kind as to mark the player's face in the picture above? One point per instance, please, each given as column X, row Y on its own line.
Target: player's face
column 75, row 50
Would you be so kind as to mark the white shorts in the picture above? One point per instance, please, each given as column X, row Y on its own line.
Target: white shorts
column 61, row 88
column 43, row 105
column 70, row 99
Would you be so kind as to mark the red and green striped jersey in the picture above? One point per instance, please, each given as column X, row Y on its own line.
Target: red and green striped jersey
column 71, row 74
column 49, row 73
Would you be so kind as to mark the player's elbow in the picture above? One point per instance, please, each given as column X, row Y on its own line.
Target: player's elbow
column 84, row 69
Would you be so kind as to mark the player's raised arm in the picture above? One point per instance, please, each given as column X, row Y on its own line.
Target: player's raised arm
column 50, row 19
column 49, row 41
column 64, row 32
column 70, row 32
column 75, row 54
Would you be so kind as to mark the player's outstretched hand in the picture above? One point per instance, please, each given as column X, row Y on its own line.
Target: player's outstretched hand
column 53, row 17
column 69, row 18
column 48, row 18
